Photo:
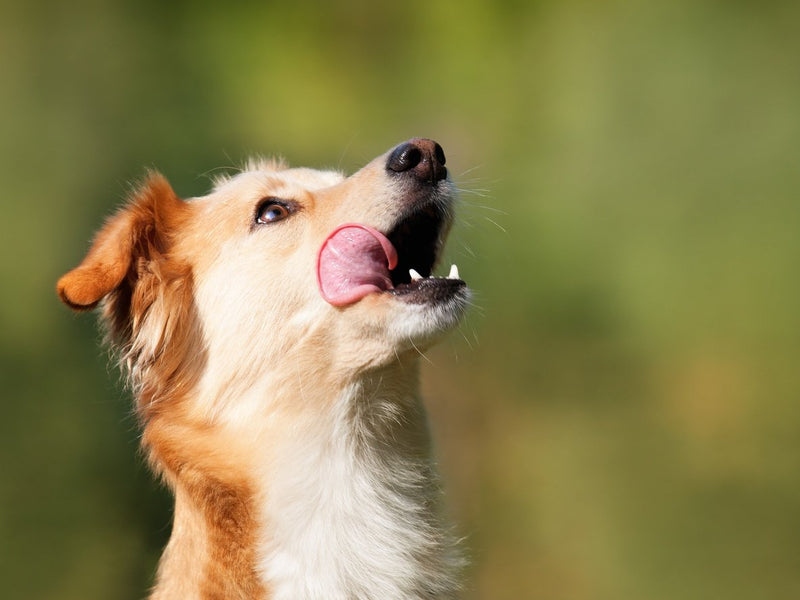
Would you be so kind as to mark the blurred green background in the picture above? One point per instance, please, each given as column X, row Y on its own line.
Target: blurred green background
column 618, row 419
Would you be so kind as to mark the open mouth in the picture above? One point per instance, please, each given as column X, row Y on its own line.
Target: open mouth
column 356, row 260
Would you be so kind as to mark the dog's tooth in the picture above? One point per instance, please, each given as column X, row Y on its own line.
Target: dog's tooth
column 414, row 275
column 453, row 273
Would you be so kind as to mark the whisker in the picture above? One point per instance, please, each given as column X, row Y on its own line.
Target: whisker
column 477, row 308
column 496, row 224
column 493, row 209
column 466, row 339
column 420, row 352
column 344, row 152
column 477, row 190
column 467, row 251
column 475, row 335
column 470, row 170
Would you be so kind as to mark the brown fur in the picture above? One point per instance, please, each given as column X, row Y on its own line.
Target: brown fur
column 213, row 496
column 131, row 267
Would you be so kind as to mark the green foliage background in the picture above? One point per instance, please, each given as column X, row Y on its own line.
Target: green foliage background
column 620, row 416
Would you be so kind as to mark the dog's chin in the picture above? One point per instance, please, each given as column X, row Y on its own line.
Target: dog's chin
column 417, row 316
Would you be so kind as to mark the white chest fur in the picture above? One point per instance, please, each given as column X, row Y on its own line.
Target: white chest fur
column 352, row 508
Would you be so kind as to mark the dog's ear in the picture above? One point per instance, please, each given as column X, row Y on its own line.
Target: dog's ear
column 141, row 230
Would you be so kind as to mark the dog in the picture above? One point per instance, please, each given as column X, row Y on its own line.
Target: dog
column 271, row 332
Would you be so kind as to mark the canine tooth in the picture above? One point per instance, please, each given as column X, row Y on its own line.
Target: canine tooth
column 453, row 273
column 414, row 275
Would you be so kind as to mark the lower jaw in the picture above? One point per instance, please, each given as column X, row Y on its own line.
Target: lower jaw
column 430, row 290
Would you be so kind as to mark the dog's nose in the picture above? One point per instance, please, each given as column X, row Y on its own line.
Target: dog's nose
column 421, row 158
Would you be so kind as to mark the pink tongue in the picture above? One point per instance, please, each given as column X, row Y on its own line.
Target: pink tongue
column 354, row 261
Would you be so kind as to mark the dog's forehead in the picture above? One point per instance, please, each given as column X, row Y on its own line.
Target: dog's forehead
column 311, row 179
column 272, row 178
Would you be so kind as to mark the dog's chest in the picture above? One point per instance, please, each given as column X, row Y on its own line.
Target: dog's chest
column 342, row 523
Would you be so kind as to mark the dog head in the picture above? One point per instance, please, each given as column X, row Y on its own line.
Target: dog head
column 277, row 269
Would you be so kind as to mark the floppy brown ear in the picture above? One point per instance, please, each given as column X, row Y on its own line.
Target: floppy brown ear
column 139, row 228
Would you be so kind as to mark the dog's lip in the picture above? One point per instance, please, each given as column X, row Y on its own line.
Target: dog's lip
column 354, row 260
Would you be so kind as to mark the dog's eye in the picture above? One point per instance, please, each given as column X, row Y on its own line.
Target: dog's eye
column 272, row 210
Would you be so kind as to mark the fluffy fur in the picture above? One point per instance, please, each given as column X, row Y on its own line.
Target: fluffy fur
column 290, row 431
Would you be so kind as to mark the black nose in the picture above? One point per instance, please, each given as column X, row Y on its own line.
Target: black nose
column 420, row 157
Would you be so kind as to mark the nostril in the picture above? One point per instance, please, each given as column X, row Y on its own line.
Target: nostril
column 438, row 154
column 404, row 157
column 422, row 158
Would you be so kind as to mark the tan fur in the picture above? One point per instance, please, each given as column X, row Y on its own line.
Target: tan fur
column 244, row 377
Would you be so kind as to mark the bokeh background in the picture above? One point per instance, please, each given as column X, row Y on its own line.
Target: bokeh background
column 619, row 418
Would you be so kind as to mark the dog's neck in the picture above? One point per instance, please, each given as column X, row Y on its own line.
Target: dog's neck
column 339, row 499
